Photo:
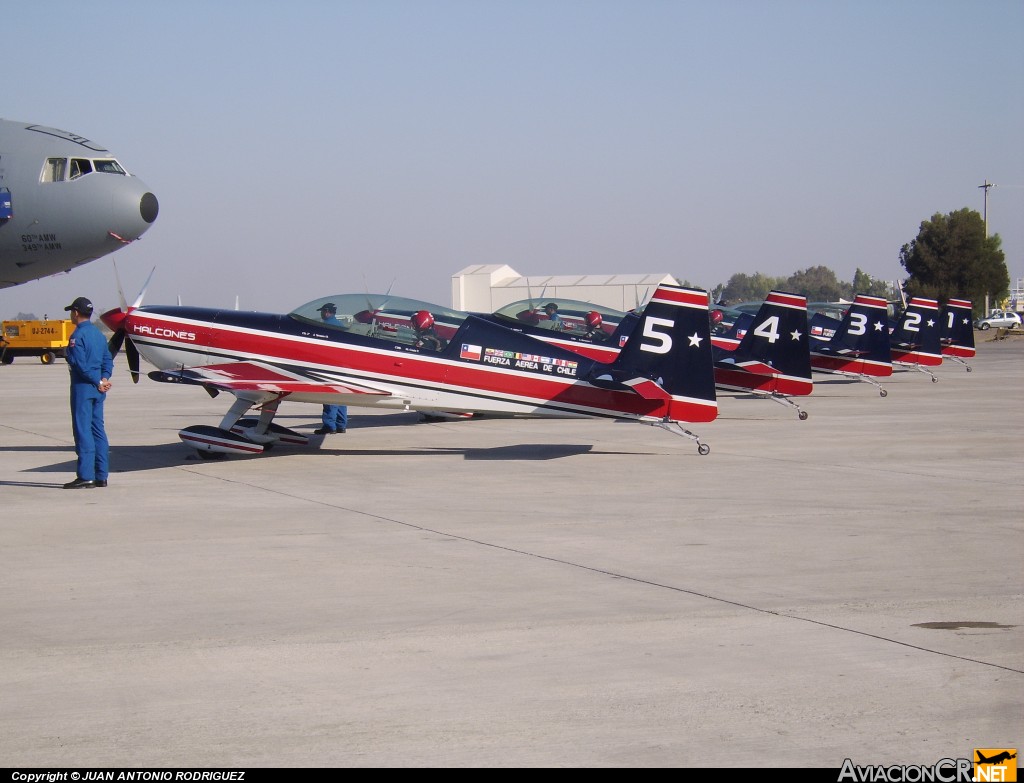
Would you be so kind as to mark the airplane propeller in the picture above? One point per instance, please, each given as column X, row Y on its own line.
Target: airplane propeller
column 641, row 302
column 114, row 319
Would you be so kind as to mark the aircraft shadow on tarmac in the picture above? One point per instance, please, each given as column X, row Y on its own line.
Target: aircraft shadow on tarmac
column 142, row 458
column 174, row 454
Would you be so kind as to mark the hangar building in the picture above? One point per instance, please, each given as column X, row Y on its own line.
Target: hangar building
column 487, row 287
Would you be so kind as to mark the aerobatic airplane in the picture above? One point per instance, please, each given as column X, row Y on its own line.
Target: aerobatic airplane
column 765, row 354
column 64, row 201
column 376, row 355
column 916, row 340
column 858, row 346
column 957, row 334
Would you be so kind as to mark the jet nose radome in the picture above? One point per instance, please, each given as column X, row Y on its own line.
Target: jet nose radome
column 149, row 207
column 133, row 207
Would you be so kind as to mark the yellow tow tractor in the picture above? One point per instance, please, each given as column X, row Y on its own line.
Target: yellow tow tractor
column 45, row 339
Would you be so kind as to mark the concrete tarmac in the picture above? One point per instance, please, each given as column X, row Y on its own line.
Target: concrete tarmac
column 498, row 593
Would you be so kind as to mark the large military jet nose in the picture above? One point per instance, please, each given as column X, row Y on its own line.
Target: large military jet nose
column 133, row 208
column 149, row 207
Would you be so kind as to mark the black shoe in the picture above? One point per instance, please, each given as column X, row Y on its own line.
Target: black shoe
column 324, row 431
column 101, row 482
column 342, row 430
column 80, row 484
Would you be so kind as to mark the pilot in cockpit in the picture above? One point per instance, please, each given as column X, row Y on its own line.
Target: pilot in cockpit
column 329, row 315
column 426, row 336
column 554, row 319
column 594, row 324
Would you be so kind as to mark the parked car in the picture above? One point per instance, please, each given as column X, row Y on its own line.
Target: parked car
column 1000, row 319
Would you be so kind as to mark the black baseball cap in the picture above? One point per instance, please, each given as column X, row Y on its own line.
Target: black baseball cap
column 81, row 305
column 330, row 307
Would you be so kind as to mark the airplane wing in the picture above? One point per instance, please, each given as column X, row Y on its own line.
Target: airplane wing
column 259, row 377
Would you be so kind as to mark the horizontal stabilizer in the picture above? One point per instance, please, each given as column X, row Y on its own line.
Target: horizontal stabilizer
column 753, row 366
column 648, row 389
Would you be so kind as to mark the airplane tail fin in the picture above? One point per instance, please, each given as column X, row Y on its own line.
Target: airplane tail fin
column 861, row 341
column 668, row 355
column 773, row 352
column 957, row 333
column 916, row 339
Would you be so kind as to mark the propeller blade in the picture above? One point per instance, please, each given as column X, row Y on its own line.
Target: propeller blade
column 120, row 290
column 115, row 342
column 142, row 293
column 133, row 361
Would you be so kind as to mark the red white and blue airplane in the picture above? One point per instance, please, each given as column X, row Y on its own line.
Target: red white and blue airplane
column 766, row 354
column 373, row 357
column 957, row 334
column 857, row 346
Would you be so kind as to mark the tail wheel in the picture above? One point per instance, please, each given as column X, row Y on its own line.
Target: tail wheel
column 47, row 357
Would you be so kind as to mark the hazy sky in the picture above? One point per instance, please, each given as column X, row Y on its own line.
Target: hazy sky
column 304, row 148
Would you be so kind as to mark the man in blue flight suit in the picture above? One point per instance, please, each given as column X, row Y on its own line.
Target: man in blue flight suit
column 554, row 319
column 335, row 417
column 91, row 366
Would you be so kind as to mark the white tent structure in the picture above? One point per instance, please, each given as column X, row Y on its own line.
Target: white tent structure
column 487, row 287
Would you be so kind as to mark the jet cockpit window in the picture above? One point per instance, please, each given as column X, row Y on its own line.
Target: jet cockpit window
column 54, row 170
column 80, row 167
column 109, row 166
column 63, row 169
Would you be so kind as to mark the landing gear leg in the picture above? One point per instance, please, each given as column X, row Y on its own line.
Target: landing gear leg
column 235, row 412
column 881, row 392
column 784, row 400
column 677, row 429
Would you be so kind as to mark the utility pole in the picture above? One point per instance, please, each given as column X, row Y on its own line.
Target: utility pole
column 985, row 187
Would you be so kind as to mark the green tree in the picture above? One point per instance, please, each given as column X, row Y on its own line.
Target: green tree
column 749, row 288
column 951, row 257
column 818, row 284
column 863, row 283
